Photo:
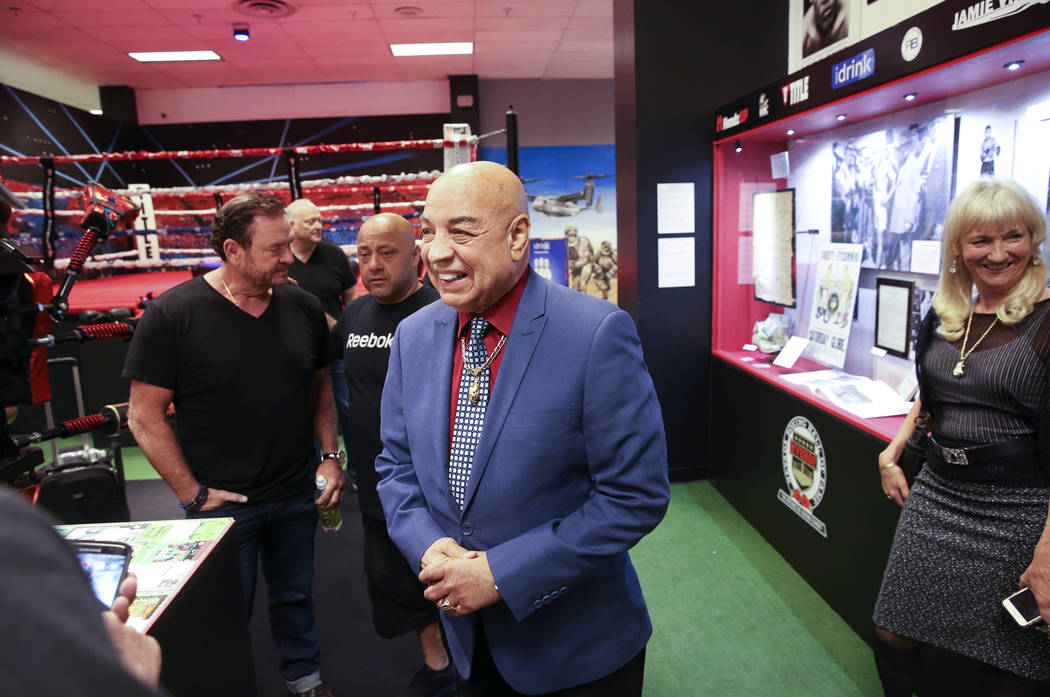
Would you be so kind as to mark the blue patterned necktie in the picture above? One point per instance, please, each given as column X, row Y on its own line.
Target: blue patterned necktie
column 470, row 415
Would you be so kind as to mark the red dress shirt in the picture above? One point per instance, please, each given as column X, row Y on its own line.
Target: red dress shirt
column 501, row 317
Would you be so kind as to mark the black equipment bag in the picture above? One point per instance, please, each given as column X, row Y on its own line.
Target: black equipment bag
column 83, row 493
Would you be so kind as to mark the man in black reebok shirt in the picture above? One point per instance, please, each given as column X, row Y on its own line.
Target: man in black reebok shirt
column 244, row 357
column 387, row 258
column 321, row 268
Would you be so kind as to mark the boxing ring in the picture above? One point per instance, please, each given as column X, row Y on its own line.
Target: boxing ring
column 169, row 239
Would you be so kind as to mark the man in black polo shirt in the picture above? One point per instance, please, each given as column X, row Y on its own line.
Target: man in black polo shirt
column 321, row 268
column 387, row 258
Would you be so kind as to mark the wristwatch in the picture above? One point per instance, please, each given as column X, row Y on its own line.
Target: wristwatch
column 339, row 456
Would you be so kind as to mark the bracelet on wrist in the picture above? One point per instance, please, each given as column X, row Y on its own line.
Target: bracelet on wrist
column 197, row 501
column 888, row 465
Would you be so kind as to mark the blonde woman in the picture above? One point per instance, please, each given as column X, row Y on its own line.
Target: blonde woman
column 974, row 526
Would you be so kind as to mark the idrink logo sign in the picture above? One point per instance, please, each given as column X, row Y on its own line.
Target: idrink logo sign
column 853, row 69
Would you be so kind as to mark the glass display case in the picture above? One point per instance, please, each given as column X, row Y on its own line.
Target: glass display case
column 830, row 189
column 871, row 177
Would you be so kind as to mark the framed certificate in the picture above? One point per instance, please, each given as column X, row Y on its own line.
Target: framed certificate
column 773, row 246
column 893, row 315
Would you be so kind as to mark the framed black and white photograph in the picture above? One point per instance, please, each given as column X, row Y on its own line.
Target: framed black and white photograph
column 893, row 311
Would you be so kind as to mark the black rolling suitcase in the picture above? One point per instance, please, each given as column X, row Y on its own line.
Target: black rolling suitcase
column 82, row 485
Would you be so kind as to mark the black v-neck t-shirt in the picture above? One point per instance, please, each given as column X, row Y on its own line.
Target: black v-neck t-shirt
column 241, row 383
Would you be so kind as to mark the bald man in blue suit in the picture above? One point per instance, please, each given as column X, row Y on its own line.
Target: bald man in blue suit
column 526, row 555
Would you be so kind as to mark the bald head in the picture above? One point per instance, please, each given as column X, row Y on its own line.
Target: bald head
column 388, row 258
column 492, row 181
column 476, row 234
column 307, row 224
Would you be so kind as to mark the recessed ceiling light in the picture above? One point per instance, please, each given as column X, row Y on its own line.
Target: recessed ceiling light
column 840, row 117
column 408, row 11
column 454, row 48
column 1014, row 65
column 240, row 32
column 96, row 112
column 910, row 97
column 173, row 56
column 791, row 131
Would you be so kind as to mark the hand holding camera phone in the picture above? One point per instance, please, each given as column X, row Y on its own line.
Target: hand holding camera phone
column 1022, row 606
column 106, row 566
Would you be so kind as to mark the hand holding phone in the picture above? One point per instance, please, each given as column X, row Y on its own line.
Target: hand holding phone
column 106, row 565
column 1023, row 608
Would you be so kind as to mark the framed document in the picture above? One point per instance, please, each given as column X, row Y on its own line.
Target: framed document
column 893, row 315
column 773, row 246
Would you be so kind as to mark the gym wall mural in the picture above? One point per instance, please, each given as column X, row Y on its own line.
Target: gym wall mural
column 572, row 197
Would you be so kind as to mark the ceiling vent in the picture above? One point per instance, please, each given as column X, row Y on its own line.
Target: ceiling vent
column 265, row 9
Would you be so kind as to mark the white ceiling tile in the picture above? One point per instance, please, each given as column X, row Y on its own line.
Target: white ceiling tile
column 195, row 6
column 529, row 8
column 431, row 10
column 591, row 22
column 78, row 5
column 344, row 28
column 425, row 26
column 112, row 18
column 521, row 23
column 598, row 36
column 516, row 36
column 330, row 13
column 594, row 8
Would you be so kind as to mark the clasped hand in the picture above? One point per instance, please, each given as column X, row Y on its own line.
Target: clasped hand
column 457, row 576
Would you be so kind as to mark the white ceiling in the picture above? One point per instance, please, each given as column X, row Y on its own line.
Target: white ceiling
column 324, row 41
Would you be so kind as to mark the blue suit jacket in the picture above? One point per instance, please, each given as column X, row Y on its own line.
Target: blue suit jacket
column 570, row 472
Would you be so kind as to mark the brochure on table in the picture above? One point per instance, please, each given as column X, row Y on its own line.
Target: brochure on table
column 166, row 553
column 868, row 399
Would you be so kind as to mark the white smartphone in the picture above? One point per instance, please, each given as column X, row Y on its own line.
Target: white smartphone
column 1023, row 607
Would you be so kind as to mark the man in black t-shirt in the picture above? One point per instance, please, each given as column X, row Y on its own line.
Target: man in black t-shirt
column 388, row 258
column 321, row 268
column 244, row 358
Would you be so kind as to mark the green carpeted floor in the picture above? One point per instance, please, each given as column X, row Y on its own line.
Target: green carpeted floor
column 730, row 616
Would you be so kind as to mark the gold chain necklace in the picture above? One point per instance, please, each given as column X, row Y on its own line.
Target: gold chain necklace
column 960, row 367
column 474, row 393
column 232, row 299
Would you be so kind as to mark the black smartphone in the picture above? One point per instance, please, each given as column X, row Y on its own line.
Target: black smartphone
column 106, row 565
column 1023, row 607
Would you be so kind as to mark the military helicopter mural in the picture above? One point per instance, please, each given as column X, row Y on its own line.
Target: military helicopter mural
column 565, row 205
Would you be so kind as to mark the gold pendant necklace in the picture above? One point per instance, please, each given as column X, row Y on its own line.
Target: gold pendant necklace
column 960, row 368
column 474, row 392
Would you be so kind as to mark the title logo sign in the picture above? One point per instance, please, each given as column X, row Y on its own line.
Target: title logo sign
column 990, row 11
column 723, row 123
column 853, row 69
column 795, row 91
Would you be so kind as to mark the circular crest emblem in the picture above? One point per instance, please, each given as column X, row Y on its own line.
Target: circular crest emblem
column 805, row 466
column 911, row 44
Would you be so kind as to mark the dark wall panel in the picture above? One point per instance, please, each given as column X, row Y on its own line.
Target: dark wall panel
column 674, row 66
